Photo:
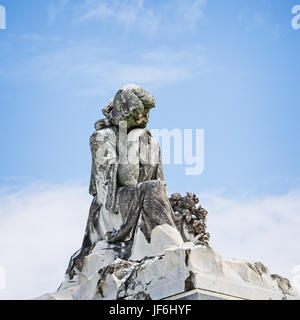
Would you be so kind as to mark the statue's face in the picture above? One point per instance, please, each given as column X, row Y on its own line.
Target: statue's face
column 139, row 118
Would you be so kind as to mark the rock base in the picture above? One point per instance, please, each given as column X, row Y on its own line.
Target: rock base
column 188, row 272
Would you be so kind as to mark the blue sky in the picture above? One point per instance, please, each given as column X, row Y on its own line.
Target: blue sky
column 228, row 67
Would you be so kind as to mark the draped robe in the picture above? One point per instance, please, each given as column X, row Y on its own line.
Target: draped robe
column 130, row 208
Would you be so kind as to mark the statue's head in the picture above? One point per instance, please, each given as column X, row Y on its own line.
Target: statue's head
column 132, row 104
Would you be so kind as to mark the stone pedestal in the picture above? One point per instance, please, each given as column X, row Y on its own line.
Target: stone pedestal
column 199, row 294
column 188, row 272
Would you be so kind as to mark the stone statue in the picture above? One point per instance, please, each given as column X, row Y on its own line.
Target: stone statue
column 130, row 197
column 139, row 244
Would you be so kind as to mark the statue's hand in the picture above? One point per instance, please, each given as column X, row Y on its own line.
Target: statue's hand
column 98, row 202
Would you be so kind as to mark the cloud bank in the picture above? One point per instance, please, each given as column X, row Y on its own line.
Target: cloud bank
column 43, row 225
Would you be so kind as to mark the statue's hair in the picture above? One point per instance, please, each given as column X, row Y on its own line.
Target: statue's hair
column 126, row 101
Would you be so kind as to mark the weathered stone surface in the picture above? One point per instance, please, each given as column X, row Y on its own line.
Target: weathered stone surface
column 139, row 244
column 127, row 183
column 180, row 269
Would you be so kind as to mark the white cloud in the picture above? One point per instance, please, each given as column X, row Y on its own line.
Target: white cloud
column 92, row 67
column 88, row 69
column 145, row 16
column 132, row 15
column 264, row 229
column 42, row 226
column 102, row 11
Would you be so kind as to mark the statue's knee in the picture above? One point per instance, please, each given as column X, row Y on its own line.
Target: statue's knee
column 153, row 186
column 160, row 184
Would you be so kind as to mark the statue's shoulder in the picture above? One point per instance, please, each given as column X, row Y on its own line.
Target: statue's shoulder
column 103, row 135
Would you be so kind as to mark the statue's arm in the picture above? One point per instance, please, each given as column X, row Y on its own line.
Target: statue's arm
column 160, row 173
column 104, row 160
